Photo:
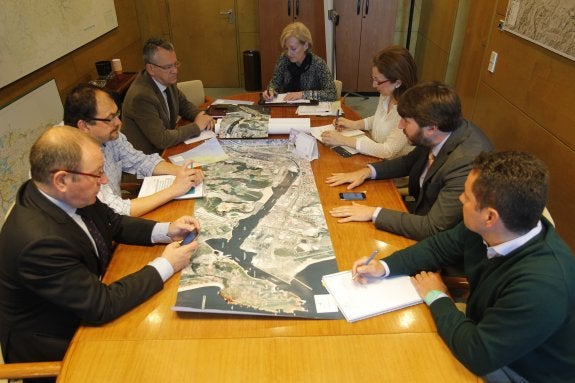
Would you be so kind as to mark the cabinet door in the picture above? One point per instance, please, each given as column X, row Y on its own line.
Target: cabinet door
column 274, row 16
column 365, row 27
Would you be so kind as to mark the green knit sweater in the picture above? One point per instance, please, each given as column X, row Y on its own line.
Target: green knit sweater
column 521, row 308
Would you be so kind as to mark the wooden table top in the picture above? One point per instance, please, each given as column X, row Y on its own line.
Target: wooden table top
column 154, row 343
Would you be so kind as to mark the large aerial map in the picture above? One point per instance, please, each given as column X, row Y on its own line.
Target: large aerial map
column 264, row 240
column 550, row 24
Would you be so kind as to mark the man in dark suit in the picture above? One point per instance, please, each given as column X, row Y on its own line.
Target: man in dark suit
column 445, row 146
column 57, row 242
column 154, row 102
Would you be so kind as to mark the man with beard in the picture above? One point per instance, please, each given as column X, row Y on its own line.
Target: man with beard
column 94, row 112
column 445, row 145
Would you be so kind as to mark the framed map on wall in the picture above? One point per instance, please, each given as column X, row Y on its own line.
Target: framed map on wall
column 35, row 33
column 550, row 24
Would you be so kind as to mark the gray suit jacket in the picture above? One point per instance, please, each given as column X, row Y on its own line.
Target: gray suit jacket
column 436, row 207
column 146, row 120
column 49, row 280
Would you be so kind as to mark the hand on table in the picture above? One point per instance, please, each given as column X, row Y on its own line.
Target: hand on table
column 291, row 96
column 355, row 212
column 426, row 281
column 352, row 178
column 205, row 121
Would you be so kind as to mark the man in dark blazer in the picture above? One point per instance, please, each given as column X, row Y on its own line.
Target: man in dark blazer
column 431, row 120
column 56, row 244
column 154, row 102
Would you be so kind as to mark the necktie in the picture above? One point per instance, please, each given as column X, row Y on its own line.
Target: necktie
column 430, row 159
column 103, row 250
column 168, row 101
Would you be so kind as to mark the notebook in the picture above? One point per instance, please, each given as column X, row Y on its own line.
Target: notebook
column 359, row 301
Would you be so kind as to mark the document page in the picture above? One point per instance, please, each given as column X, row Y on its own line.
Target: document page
column 154, row 184
column 358, row 301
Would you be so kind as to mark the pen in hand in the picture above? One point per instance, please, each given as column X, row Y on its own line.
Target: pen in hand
column 336, row 118
column 367, row 262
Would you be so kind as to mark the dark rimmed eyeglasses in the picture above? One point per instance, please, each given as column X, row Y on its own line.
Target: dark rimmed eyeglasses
column 168, row 67
column 373, row 79
column 99, row 175
column 109, row 119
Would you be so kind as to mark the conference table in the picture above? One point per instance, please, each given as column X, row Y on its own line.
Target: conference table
column 153, row 343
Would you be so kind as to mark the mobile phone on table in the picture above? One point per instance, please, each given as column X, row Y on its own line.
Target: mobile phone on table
column 348, row 196
column 190, row 237
column 342, row 151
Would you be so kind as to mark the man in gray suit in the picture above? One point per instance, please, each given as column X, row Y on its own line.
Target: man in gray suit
column 154, row 102
column 57, row 242
column 445, row 145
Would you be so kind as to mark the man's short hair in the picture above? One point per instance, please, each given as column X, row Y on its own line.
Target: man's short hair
column 431, row 104
column 57, row 148
column 81, row 104
column 513, row 183
column 152, row 45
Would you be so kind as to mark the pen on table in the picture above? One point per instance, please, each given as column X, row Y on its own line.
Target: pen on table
column 367, row 262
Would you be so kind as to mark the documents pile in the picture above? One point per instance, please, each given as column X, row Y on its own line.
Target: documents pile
column 324, row 108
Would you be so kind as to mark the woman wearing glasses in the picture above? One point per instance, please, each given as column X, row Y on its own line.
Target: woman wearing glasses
column 392, row 73
column 299, row 72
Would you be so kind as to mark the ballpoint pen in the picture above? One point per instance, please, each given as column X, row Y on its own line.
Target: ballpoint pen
column 336, row 118
column 367, row 262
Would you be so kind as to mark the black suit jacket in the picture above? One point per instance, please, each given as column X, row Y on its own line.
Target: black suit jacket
column 49, row 280
column 436, row 206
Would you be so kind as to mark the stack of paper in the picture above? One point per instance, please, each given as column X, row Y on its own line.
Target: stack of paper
column 280, row 99
column 324, row 108
column 154, row 184
column 358, row 301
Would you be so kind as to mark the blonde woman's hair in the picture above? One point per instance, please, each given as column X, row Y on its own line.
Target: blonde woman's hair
column 299, row 31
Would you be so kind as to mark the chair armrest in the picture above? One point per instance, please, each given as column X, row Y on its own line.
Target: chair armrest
column 30, row 370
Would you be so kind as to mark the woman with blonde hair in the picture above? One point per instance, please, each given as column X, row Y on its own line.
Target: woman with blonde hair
column 299, row 72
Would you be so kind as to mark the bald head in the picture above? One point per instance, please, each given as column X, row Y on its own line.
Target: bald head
column 59, row 147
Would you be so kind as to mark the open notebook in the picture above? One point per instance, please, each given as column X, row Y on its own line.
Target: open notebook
column 357, row 301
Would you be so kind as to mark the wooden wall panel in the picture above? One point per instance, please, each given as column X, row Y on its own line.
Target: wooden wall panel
column 511, row 129
column 535, row 80
column 431, row 61
column 473, row 52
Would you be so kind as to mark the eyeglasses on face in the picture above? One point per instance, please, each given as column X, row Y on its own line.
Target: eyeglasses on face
column 99, row 175
column 109, row 119
column 168, row 67
column 374, row 80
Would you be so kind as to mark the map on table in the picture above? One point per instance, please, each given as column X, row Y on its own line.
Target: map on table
column 264, row 241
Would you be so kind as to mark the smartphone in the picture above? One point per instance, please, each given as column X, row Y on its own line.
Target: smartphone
column 352, row 196
column 190, row 237
column 341, row 151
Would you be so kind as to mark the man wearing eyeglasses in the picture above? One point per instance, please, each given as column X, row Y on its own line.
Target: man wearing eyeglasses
column 154, row 102
column 93, row 111
column 56, row 244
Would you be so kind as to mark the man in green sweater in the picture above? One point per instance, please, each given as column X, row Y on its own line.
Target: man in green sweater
column 519, row 323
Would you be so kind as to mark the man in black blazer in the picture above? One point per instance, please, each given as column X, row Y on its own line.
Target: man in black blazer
column 55, row 246
column 431, row 119
column 154, row 102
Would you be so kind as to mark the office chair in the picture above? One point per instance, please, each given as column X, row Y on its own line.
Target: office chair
column 338, row 87
column 194, row 91
column 30, row 370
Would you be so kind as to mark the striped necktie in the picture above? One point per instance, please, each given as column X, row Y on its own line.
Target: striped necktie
column 104, row 252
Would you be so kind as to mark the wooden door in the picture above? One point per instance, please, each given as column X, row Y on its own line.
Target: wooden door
column 364, row 28
column 274, row 16
column 204, row 34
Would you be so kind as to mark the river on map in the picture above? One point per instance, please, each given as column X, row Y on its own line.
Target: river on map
column 310, row 276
